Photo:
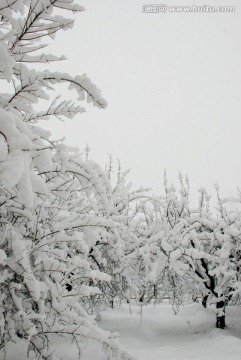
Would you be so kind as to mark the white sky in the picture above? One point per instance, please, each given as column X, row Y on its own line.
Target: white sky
column 172, row 82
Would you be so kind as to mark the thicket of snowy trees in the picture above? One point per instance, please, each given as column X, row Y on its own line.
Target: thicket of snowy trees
column 192, row 252
column 71, row 237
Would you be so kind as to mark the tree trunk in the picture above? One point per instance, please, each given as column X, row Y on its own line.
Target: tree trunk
column 220, row 320
column 141, row 297
column 204, row 301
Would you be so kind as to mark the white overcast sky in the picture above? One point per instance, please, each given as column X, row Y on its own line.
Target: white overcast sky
column 172, row 82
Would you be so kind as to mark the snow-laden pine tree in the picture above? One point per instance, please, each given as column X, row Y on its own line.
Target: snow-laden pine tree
column 54, row 206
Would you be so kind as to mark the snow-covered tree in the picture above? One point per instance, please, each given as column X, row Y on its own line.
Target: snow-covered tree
column 115, row 252
column 54, row 207
column 193, row 252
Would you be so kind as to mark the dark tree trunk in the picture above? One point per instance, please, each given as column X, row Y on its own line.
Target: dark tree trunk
column 204, row 301
column 220, row 320
column 141, row 298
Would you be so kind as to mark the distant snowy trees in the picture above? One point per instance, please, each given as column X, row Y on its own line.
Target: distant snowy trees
column 192, row 252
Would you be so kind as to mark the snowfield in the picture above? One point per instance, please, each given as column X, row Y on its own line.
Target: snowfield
column 159, row 335
column 162, row 335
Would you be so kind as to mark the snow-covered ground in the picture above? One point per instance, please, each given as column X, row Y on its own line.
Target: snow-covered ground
column 162, row 335
column 159, row 334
